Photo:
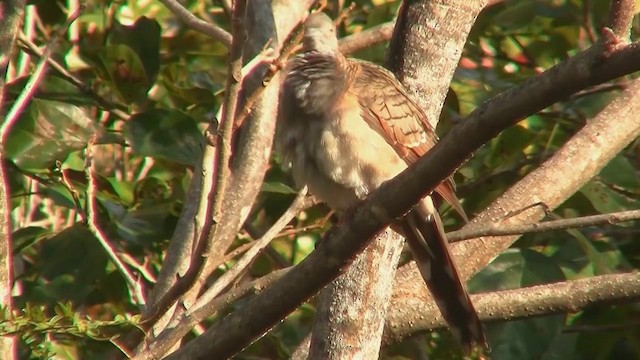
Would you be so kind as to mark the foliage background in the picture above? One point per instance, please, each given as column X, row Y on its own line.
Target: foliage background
column 154, row 87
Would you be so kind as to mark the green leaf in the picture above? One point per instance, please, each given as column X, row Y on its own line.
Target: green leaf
column 166, row 134
column 620, row 171
column 26, row 237
column 278, row 188
column 143, row 224
column 52, row 87
column 143, row 37
column 123, row 68
column 606, row 200
column 71, row 264
column 198, row 88
column 48, row 131
column 516, row 268
column 516, row 14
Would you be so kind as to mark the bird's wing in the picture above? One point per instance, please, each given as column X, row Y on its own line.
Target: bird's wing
column 389, row 110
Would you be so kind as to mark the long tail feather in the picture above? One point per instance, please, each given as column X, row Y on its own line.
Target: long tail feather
column 425, row 235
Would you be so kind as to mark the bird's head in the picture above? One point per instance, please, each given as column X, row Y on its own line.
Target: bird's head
column 320, row 34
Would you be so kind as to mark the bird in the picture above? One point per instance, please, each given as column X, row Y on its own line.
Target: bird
column 345, row 126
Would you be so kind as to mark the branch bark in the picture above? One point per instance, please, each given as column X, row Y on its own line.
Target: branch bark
column 352, row 309
column 602, row 138
column 433, row 32
column 563, row 297
column 253, row 142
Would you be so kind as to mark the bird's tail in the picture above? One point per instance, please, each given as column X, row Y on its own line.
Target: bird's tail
column 425, row 235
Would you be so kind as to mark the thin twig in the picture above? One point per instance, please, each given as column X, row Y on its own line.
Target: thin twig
column 189, row 318
column 293, row 210
column 221, row 171
column 133, row 286
column 35, row 79
column 197, row 24
column 504, row 230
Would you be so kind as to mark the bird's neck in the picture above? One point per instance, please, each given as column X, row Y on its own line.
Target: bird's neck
column 327, row 46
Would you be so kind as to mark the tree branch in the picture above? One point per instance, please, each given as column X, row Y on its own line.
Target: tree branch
column 563, row 297
column 199, row 25
column 254, row 145
column 167, row 338
column 493, row 229
column 366, row 38
column 135, row 290
column 439, row 42
column 215, row 197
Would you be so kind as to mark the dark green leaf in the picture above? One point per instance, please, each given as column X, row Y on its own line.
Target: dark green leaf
column 166, row 134
column 123, row 68
column 143, row 37
column 277, row 187
column 621, row 172
column 606, row 200
column 48, row 131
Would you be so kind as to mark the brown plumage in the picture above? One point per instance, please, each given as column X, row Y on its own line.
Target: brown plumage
column 346, row 126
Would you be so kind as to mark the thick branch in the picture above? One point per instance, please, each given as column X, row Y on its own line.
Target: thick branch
column 438, row 28
column 568, row 296
column 351, row 310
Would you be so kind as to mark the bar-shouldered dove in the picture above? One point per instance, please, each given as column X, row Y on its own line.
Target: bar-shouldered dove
column 346, row 126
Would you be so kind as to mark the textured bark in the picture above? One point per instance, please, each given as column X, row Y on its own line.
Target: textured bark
column 426, row 46
column 583, row 156
column 269, row 22
column 568, row 296
column 352, row 309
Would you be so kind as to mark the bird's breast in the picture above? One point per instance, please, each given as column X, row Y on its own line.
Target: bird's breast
column 341, row 158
